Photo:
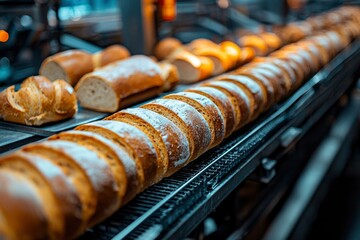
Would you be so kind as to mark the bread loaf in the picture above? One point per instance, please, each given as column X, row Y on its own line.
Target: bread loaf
column 170, row 75
column 208, row 110
column 38, row 101
column 90, row 175
column 21, row 209
column 255, row 42
column 188, row 119
column 165, row 47
column 170, row 142
column 121, row 164
column 136, row 143
column 63, row 206
column 120, row 84
column 191, row 68
column 233, row 52
column 110, row 54
column 222, row 102
column 241, row 99
column 69, row 65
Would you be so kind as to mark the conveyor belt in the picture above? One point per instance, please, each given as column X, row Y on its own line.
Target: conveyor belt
column 172, row 208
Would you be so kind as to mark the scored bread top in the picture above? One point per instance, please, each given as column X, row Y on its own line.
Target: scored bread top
column 68, row 201
column 242, row 101
column 134, row 141
column 122, row 165
column 208, row 109
column 98, row 172
column 223, row 103
column 176, row 145
column 22, row 208
column 188, row 119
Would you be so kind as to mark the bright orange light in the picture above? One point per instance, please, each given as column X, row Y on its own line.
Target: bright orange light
column 4, row 36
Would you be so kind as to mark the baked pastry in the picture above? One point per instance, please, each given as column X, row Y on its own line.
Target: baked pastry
column 136, row 143
column 222, row 102
column 233, row 52
column 272, row 41
column 165, row 47
column 63, row 208
column 120, row 84
column 170, row 142
column 22, row 212
column 241, row 99
column 247, row 54
column 170, row 75
column 188, row 119
column 255, row 42
column 191, row 68
column 110, row 54
column 256, row 89
column 89, row 174
column 69, row 65
column 38, row 101
column 221, row 61
column 121, row 164
column 208, row 110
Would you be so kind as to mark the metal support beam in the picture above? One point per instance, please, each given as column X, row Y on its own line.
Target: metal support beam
column 138, row 28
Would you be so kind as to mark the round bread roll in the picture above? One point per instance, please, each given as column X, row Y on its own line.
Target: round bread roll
column 165, row 47
column 89, row 174
column 119, row 161
column 134, row 141
column 63, row 206
column 171, row 143
column 21, row 208
column 208, row 110
column 222, row 102
column 188, row 119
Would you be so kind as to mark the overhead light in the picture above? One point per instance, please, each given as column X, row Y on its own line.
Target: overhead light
column 4, row 36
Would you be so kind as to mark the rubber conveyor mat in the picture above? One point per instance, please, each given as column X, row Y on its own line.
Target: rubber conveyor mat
column 172, row 208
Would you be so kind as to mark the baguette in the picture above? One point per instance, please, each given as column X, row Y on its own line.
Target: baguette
column 257, row 90
column 121, row 164
column 241, row 100
column 21, row 209
column 208, row 110
column 110, row 54
column 136, row 143
column 38, row 101
column 69, row 65
column 90, row 175
column 222, row 102
column 62, row 201
column 120, row 84
column 170, row 142
column 188, row 119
